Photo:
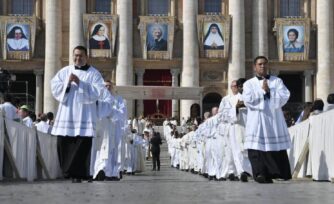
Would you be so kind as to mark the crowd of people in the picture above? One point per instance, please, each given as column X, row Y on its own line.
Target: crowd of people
column 245, row 136
column 14, row 110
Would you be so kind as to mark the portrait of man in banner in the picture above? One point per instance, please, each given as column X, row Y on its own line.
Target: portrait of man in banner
column 213, row 39
column 99, row 37
column 157, row 35
column 18, row 36
column 293, row 39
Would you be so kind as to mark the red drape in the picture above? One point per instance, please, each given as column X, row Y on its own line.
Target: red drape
column 158, row 78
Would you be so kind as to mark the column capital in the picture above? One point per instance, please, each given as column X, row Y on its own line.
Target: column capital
column 140, row 71
column 275, row 72
column 308, row 73
column 175, row 71
column 38, row 72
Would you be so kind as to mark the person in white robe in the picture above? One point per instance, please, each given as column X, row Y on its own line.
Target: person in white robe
column 43, row 126
column 330, row 102
column 101, row 165
column 76, row 87
column 9, row 109
column 267, row 137
column 235, row 164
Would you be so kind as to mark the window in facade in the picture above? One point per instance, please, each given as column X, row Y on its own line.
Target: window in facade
column 158, row 7
column 103, row 6
column 289, row 8
column 22, row 7
column 213, row 7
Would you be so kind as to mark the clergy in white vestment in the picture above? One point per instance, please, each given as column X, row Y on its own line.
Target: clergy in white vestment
column 235, row 163
column 9, row 108
column 77, row 88
column 267, row 137
column 43, row 126
column 104, row 140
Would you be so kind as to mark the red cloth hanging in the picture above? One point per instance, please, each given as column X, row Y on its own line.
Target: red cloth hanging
column 158, row 78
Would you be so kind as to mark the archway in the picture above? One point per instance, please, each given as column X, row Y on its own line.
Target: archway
column 210, row 100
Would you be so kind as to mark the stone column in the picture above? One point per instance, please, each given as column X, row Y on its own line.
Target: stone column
column 124, row 67
column 53, row 48
column 38, row 9
column 325, row 84
column 190, row 64
column 175, row 83
column 140, row 82
column 308, row 85
column 260, row 28
column 172, row 7
column 77, row 9
column 236, row 67
column 39, row 91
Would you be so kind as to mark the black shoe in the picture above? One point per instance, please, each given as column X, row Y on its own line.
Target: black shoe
column 260, row 179
column 76, row 180
column 100, row 176
column 211, row 178
column 244, row 177
column 231, row 177
column 133, row 173
column 215, row 178
column 222, row 179
column 120, row 175
column 90, row 180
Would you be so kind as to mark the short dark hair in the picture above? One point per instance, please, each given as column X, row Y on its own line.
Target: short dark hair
column 260, row 57
column 80, row 47
column 7, row 97
column 241, row 81
column 330, row 98
column 50, row 115
column 295, row 31
column 318, row 104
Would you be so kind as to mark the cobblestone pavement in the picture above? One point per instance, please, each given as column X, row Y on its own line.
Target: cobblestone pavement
column 166, row 186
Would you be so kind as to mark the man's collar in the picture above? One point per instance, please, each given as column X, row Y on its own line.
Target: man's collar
column 261, row 78
column 83, row 68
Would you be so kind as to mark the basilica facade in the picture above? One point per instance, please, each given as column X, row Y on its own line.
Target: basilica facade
column 176, row 43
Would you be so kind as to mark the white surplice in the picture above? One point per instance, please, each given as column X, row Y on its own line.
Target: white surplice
column 77, row 112
column 43, row 127
column 10, row 110
column 266, row 129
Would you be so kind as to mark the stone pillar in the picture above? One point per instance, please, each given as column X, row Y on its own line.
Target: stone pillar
column 260, row 28
column 175, row 83
column 308, row 85
column 172, row 7
column 38, row 9
column 39, row 91
column 190, row 64
column 236, row 67
column 325, row 84
column 53, row 48
column 140, row 82
column 124, row 67
column 77, row 9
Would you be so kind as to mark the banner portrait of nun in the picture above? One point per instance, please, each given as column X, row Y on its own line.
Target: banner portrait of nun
column 18, row 37
column 99, row 37
column 213, row 39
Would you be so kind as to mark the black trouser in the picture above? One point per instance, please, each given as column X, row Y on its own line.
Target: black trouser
column 156, row 160
column 74, row 156
column 271, row 164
